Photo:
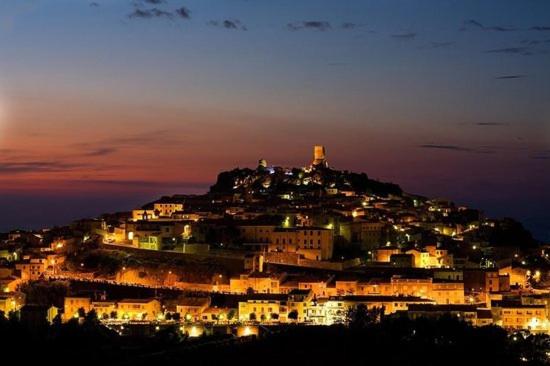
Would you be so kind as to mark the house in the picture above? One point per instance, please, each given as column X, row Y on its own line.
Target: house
column 191, row 308
column 139, row 309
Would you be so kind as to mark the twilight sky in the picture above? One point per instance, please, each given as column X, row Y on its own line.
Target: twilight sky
column 106, row 104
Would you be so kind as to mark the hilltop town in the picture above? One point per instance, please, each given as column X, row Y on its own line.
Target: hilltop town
column 269, row 246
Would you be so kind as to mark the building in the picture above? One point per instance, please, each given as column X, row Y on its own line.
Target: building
column 127, row 309
column 9, row 302
column 191, row 308
column 402, row 260
column 515, row 315
column 319, row 156
column 432, row 257
column 370, row 234
column 105, row 309
column 485, row 281
column 291, row 307
column 335, row 309
column 138, row 215
column 72, row 306
column 167, row 207
column 256, row 282
column 32, row 269
column 139, row 309
column 311, row 243
column 256, row 233
column 468, row 313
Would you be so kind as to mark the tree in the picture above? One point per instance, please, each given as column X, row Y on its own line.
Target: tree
column 45, row 293
column 231, row 314
column 57, row 321
column 360, row 316
column 293, row 315
column 91, row 317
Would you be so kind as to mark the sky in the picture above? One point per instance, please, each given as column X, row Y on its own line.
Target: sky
column 107, row 104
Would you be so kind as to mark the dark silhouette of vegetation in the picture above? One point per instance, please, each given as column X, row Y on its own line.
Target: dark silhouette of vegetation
column 507, row 233
column 391, row 341
column 45, row 293
column 293, row 315
column 273, row 183
column 360, row 317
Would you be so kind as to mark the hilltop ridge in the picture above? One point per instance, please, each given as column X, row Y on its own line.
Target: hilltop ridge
column 315, row 180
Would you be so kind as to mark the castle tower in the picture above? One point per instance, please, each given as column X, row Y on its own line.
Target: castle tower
column 319, row 156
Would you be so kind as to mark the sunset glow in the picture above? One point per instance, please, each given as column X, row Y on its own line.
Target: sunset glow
column 422, row 102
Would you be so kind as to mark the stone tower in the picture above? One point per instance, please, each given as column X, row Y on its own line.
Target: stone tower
column 319, row 156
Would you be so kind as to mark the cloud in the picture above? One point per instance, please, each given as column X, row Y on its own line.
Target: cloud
column 102, row 151
column 18, row 167
column 534, row 42
column 94, row 4
column 232, row 24
column 141, row 13
column 472, row 23
column 433, row 45
column 481, row 150
column 349, row 25
column 444, row 147
column 404, row 36
column 183, row 12
column 136, row 140
column 526, row 51
column 149, row 14
column 506, row 77
column 310, row 24
column 492, row 124
column 540, row 28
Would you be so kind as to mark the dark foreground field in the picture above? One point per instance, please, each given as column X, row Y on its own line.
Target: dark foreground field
column 391, row 342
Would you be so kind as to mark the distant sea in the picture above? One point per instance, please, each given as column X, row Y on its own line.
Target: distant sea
column 39, row 210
